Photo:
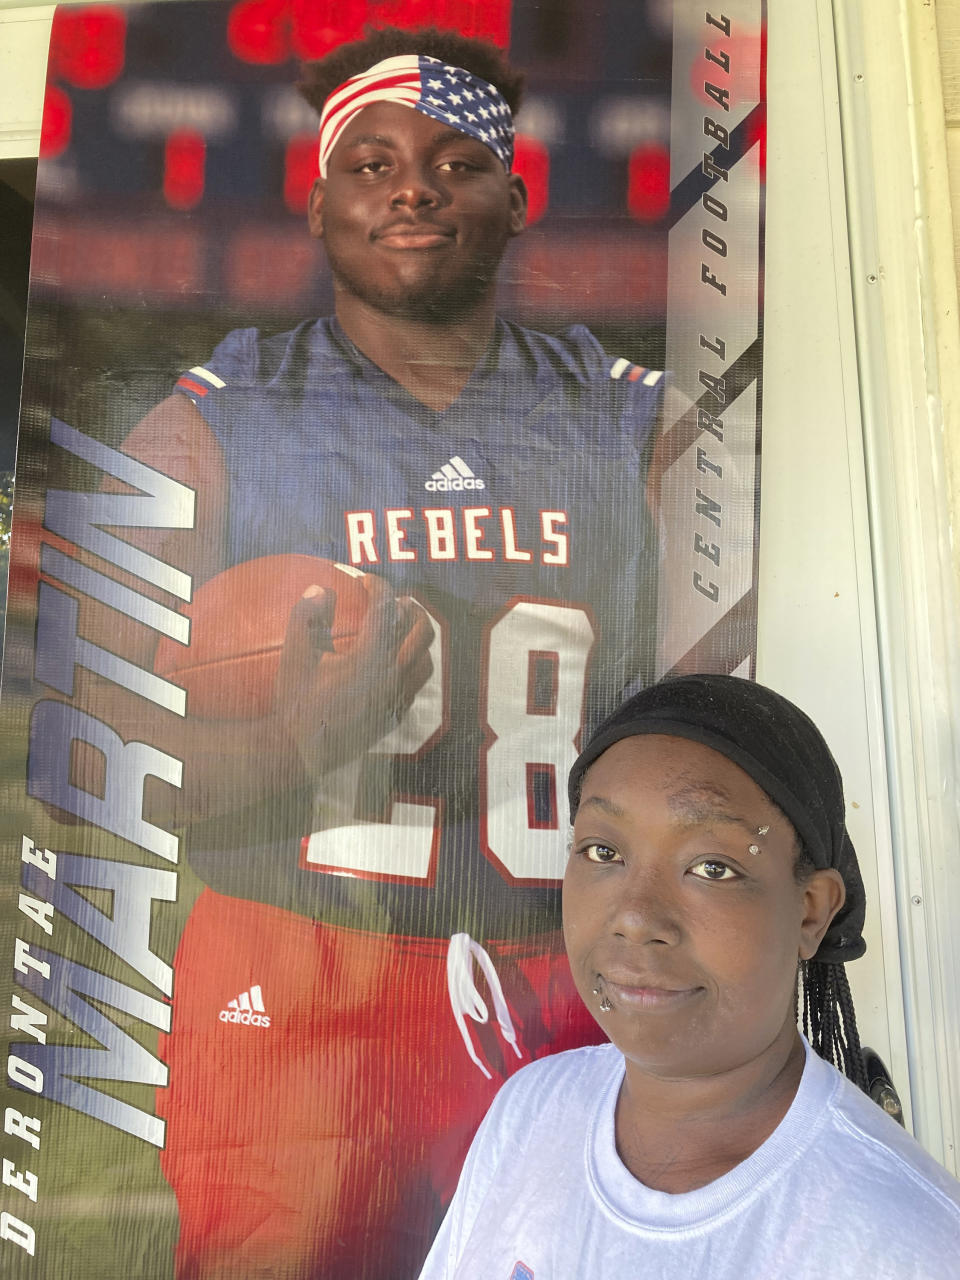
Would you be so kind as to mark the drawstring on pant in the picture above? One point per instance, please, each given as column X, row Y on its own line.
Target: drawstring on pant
column 467, row 1002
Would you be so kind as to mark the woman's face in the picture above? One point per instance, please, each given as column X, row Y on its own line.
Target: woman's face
column 693, row 939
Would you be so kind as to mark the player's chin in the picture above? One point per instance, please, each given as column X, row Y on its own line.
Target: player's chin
column 433, row 305
column 446, row 272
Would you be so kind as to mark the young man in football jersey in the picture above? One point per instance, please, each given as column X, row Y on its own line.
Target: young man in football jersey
column 384, row 849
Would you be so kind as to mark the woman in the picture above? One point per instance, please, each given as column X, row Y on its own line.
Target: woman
column 710, row 879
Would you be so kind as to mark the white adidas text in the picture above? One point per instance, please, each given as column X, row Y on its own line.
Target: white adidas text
column 445, row 485
column 247, row 1009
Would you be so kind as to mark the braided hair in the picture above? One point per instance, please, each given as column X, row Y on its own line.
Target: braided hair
column 829, row 1019
column 825, row 1004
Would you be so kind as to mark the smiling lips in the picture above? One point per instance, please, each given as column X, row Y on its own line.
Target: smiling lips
column 637, row 995
column 413, row 235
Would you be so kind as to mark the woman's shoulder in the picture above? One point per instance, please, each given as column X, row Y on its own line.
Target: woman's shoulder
column 556, row 1094
column 569, row 1065
column 888, row 1165
column 572, row 1073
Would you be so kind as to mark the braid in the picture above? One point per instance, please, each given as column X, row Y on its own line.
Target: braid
column 829, row 1020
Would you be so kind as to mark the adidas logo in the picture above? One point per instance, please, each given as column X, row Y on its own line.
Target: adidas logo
column 248, row 1009
column 454, row 475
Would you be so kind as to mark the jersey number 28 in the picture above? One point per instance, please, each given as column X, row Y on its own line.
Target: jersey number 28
column 534, row 668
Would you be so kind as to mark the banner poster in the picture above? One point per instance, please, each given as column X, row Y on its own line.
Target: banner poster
column 343, row 510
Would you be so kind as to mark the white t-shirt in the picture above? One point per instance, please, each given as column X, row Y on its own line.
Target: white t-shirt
column 837, row 1192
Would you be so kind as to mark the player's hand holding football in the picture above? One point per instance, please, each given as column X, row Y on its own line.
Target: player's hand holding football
column 335, row 703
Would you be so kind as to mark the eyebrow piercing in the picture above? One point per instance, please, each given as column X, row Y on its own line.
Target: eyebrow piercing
column 761, row 831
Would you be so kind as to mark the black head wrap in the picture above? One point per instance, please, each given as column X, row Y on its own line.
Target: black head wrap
column 780, row 748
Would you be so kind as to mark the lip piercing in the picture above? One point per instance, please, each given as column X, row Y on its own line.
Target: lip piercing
column 605, row 1005
column 762, row 831
column 753, row 848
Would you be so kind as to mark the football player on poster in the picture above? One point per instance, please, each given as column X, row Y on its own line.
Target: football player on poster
column 429, row 558
column 383, row 845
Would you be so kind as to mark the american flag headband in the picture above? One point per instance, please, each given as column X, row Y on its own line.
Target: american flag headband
column 448, row 94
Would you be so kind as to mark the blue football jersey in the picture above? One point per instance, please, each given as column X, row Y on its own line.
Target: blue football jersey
column 517, row 517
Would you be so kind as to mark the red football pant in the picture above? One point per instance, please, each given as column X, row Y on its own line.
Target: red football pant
column 329, row 1142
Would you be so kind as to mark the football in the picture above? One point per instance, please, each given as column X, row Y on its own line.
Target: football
column 238, row 624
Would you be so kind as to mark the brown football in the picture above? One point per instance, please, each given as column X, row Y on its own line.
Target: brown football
column 238, row 624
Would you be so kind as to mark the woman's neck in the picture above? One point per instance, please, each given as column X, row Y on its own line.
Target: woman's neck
column 679, row 1134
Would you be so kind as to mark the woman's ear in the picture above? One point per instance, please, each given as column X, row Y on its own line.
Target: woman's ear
column 315, row 209
column 823, row 896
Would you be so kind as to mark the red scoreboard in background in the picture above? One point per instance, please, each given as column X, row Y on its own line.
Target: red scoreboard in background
column 270, row 31
column 226, row 154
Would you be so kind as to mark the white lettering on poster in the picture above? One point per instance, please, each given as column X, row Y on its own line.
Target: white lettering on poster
column 446, row 533
column 53, row 883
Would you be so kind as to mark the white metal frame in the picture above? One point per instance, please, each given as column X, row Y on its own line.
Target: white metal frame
column 905, row 303
column 858, row 607
column 817, row 637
